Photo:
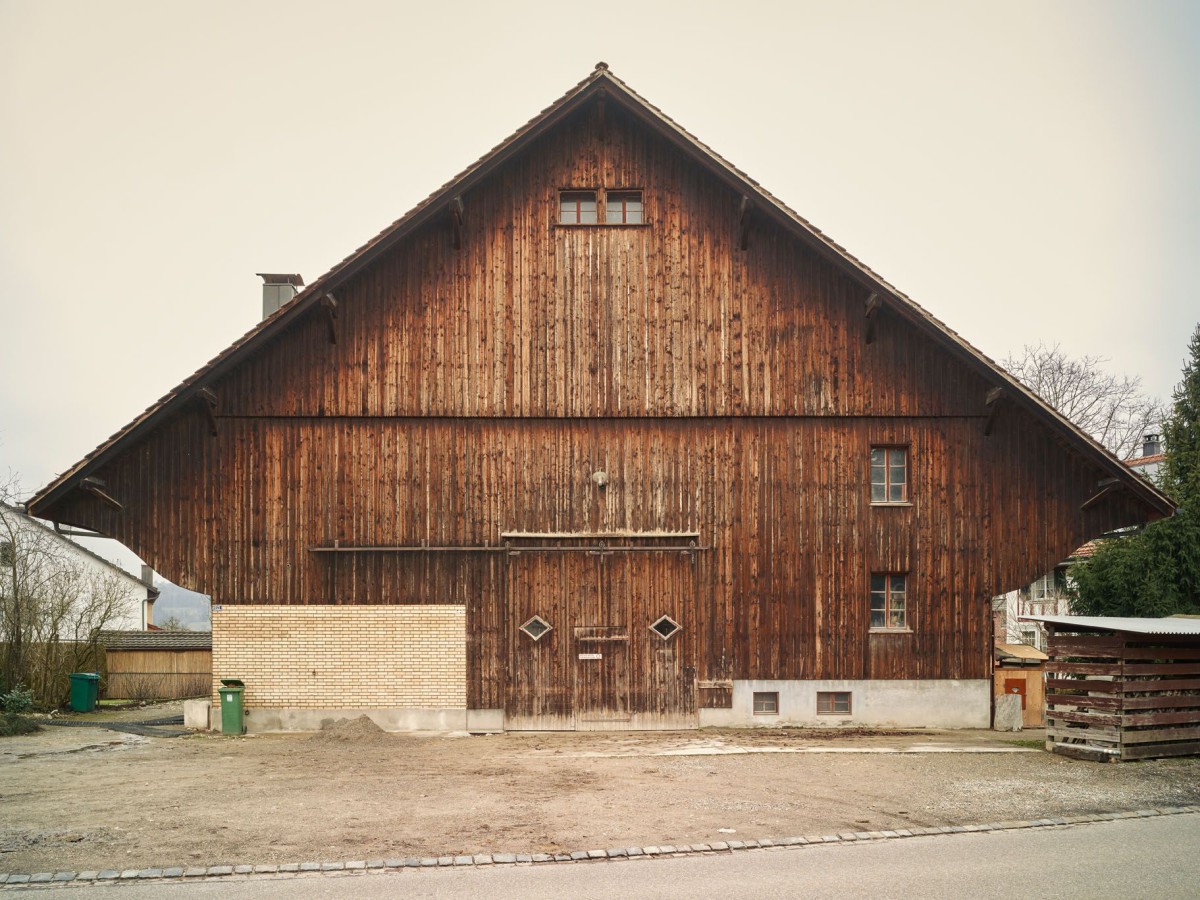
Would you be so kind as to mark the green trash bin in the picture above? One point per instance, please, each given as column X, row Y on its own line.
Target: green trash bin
column 85, row 689
column 232, row 706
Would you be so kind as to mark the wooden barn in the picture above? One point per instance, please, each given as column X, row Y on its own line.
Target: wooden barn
column 601, row 435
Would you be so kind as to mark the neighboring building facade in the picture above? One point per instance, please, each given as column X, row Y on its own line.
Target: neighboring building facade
column 602, row 436
column 96, row 593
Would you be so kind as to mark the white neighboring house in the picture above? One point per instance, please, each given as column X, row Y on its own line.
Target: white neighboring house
column 95, row 592
column 1050, row 595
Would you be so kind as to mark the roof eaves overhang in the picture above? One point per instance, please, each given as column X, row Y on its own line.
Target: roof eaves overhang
column 601, row 80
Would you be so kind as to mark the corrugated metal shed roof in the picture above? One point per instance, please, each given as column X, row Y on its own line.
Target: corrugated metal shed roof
column 1020, row 651
column 156, row 640
column 1130, row 625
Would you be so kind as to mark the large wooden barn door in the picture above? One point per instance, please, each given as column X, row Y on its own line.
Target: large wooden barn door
column 582, row 652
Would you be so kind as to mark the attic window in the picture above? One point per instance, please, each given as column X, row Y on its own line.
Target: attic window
column 623, row 208
column 577, row 208
column 600, row 207
column 536, row 628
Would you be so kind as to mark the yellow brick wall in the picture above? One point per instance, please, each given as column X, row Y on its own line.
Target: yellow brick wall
column 330, row 657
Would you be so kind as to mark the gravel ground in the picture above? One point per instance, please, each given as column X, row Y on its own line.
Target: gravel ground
column 83, row 798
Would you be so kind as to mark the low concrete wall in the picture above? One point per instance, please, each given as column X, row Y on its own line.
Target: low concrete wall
column 908, row 703
column 272, row 721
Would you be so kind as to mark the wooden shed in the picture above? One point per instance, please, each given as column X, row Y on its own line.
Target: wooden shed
column 1123, row 688
column 602, row 435
column 158, row 665
column 1021, row 670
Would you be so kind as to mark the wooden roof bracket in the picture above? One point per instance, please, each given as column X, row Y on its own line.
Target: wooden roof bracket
column 329, row 305
column 1107, row 486
column 207, row 398
column 871, row 314
column 95, row 486
column 456, row 221
column 601, row 124
column 995, row 398
column 746, row 208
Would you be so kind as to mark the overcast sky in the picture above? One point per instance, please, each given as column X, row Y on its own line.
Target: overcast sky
column 1023, row 170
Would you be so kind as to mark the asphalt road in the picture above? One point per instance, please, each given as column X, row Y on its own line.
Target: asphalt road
column 1157, row 858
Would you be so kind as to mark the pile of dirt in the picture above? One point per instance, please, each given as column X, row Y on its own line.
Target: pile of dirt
column 352, row 731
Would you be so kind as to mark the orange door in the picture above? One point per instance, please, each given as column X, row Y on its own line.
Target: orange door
column 1015, row 686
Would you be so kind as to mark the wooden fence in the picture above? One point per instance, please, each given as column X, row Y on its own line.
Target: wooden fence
column 163, row 674
column 1117, row 696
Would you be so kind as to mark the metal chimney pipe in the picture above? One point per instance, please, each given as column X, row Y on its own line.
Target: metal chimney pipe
column 278, row 290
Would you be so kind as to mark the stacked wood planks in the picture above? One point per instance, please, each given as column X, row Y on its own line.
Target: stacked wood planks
column 1117, row 697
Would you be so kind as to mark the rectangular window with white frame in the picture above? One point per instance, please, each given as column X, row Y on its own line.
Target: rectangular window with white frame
column 889, row 475
column 889, row 602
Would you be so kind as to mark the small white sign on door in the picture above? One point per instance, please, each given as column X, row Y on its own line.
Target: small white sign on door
column 591, row 656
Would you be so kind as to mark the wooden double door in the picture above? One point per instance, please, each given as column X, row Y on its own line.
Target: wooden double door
column 597, row 663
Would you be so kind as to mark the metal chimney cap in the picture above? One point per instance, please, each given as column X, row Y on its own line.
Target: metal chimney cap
column 269, row 278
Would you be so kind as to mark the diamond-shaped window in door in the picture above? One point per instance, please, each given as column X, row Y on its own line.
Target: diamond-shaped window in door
column 536, row 628
column 665, row 628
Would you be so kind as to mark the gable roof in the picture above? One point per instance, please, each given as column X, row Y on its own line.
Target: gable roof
column 602, row 83
column 29, row 520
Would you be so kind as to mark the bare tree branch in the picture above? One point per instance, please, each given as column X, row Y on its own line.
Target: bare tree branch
column 52, row 605
column 1112, row 409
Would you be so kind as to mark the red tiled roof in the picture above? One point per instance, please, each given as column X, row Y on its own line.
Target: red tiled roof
column 1085, row 551
column 1145, row 460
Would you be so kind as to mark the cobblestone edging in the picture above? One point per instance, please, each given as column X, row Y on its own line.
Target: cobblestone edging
column 195, row 873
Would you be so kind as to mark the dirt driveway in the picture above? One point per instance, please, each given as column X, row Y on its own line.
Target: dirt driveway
column 78, row 799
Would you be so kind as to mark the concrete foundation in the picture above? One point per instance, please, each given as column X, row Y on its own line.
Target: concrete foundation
column 908, row 703
column 485, row 721
column 273, row 721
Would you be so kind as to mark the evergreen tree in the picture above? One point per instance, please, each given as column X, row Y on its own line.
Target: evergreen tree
column 1157, row 572
column 1181, row 433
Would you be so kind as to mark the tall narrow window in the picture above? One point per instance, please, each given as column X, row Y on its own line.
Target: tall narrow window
column 623, row 208
column 577, row 207
column 889, row 606
column 889, row 474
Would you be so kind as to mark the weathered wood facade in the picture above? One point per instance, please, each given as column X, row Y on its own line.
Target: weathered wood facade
column 428, row 424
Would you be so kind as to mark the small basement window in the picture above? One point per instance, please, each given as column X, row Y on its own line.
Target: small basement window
column 577, row 208
column 537, row 628
column 889, row 474
column 766, row 703
column 833, row 703
column 623, row 208
column 666, row 628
